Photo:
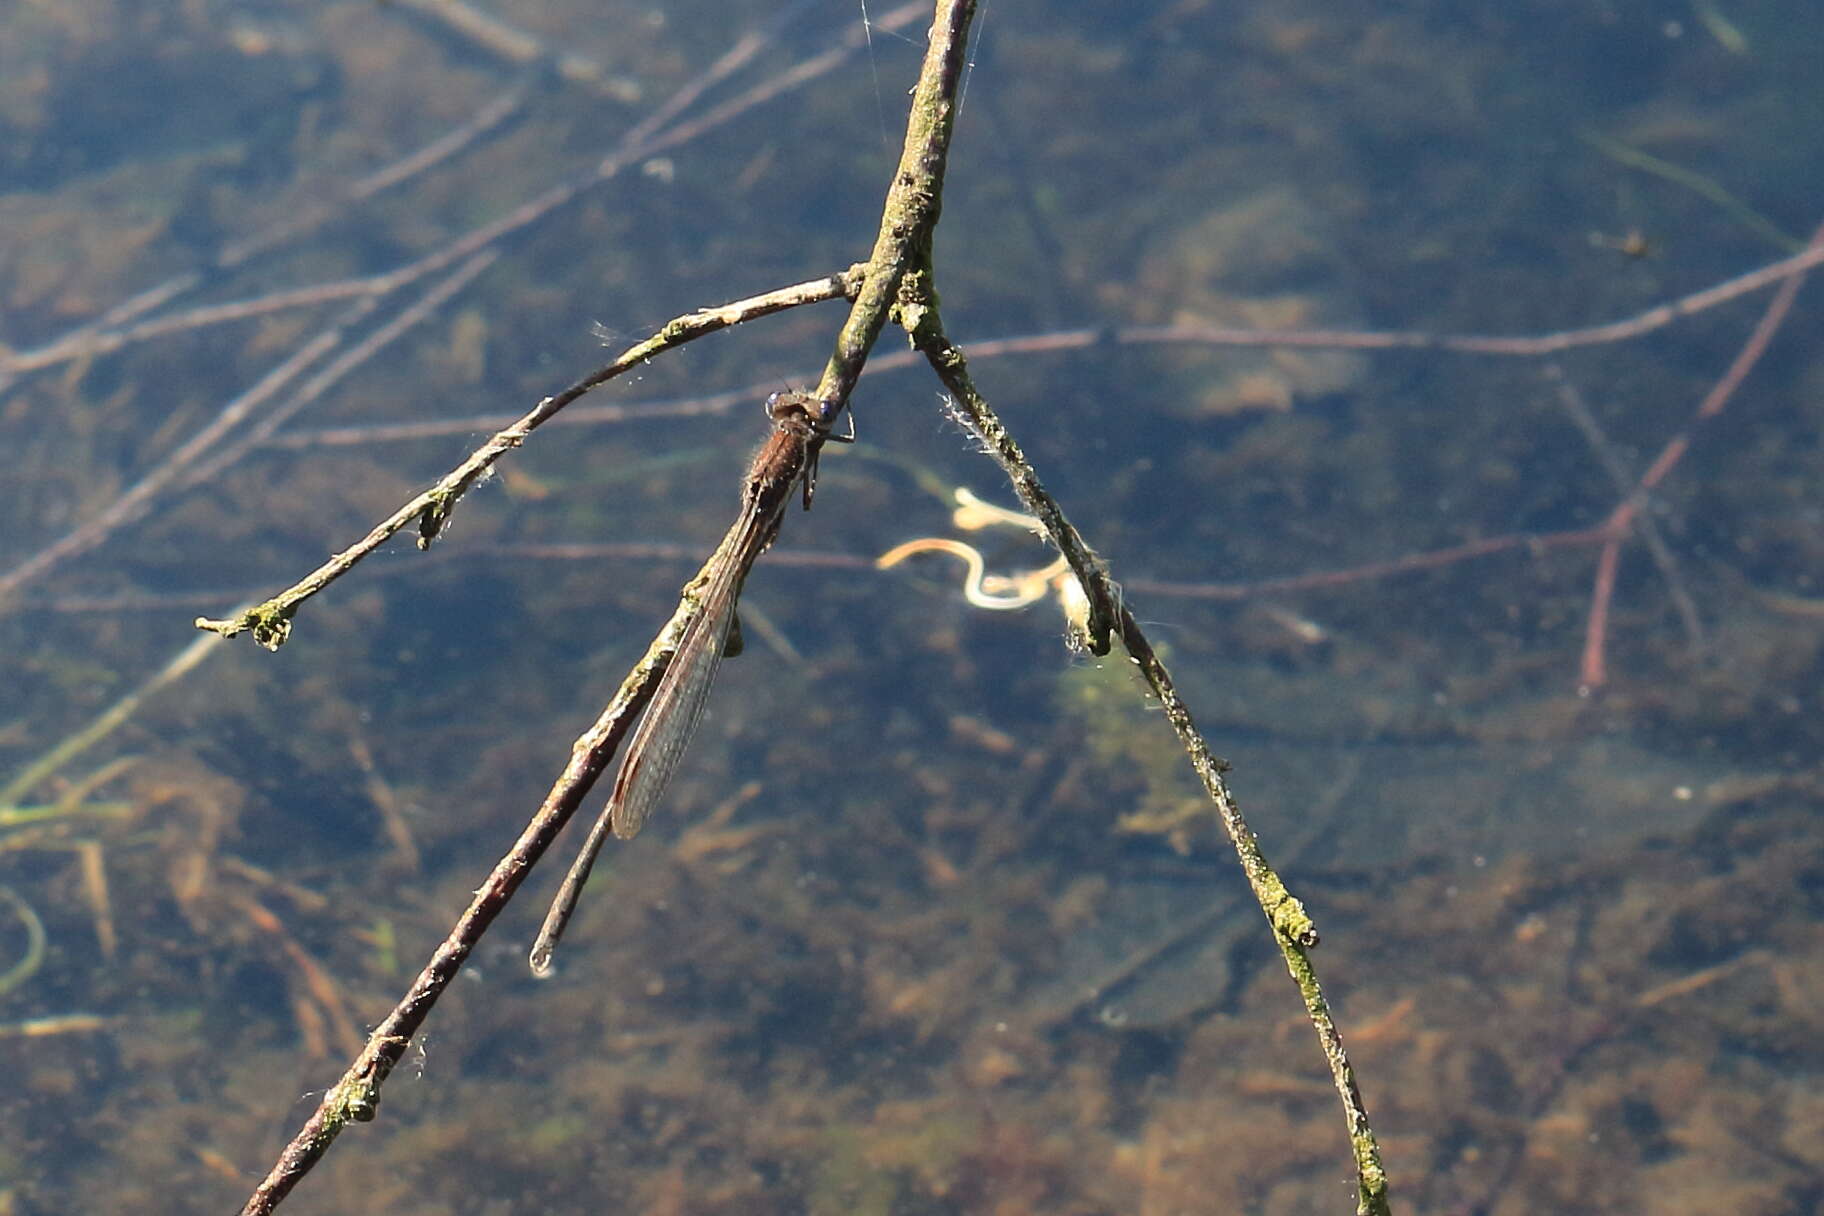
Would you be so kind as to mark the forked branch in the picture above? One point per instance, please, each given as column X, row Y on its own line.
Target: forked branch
column 897, row 281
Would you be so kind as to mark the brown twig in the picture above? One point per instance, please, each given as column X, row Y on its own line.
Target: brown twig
column 270, row 621
column 1585, row 421
column 489, row 33
column 1635, row 326
column 917, row 189
column 1293, row 931
column 355, row 1097
column 1593, row 671
column 111, row 330
column 318, row 986
column 897, row 280
column 1060, row 341
column 137, row 499
column 642, row 141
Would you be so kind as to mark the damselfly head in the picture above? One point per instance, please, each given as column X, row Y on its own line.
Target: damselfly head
column 803, row 414
column 798, row 411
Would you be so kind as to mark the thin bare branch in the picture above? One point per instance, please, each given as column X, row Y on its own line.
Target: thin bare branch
column 271, row 621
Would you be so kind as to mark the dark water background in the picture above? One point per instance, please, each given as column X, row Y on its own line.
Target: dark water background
column 923, row 926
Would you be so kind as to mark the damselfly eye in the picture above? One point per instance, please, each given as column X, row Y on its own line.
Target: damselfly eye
column 793, row 410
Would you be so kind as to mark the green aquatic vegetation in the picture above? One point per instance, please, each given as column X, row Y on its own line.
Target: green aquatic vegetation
column 846, row 1182
column 1126, row 734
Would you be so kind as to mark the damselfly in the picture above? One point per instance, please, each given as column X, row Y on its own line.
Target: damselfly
column 801, row 424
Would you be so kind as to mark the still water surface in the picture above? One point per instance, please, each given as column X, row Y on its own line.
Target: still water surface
column 928, row 922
